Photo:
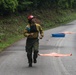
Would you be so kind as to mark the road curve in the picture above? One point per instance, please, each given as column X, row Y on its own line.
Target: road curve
column 13, row 60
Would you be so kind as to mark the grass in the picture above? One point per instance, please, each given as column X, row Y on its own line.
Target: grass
column 10, row 41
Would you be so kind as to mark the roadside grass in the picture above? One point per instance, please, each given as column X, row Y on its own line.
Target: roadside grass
column 9, row 42
column 59, row 18
column 11, row 28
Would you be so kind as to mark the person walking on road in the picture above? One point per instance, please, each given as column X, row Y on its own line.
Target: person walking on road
column 33, row 31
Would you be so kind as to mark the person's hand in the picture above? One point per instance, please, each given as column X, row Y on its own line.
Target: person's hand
column 31, row 34
column 40, row 37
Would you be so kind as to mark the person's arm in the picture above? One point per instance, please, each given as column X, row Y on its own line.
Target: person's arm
column 26, row 32
column 41, row 32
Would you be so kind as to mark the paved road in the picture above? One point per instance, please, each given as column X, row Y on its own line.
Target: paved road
column 13, row 60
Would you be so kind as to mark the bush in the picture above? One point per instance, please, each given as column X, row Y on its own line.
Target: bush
column 8, row 6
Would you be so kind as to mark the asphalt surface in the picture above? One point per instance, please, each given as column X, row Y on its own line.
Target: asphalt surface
column 13, row 60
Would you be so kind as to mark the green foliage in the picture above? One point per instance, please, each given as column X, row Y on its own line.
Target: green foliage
column 74, row 4
column 25, row 5
column 8, row 6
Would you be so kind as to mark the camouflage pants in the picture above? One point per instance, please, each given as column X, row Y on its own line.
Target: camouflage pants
column 32, row 46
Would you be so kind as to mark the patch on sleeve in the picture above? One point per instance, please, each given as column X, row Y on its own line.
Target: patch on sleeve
column 28, row 29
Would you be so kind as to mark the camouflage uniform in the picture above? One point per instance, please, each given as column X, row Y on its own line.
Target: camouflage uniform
column 32, row 42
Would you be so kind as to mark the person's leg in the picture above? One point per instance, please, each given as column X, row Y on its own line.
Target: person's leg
column 29, row 52
column 29, row 57
column 35, row 55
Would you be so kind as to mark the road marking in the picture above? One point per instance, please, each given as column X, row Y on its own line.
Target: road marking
column 63, row 67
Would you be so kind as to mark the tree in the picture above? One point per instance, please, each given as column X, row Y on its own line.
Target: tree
column 8, row 6
column 24, row 5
